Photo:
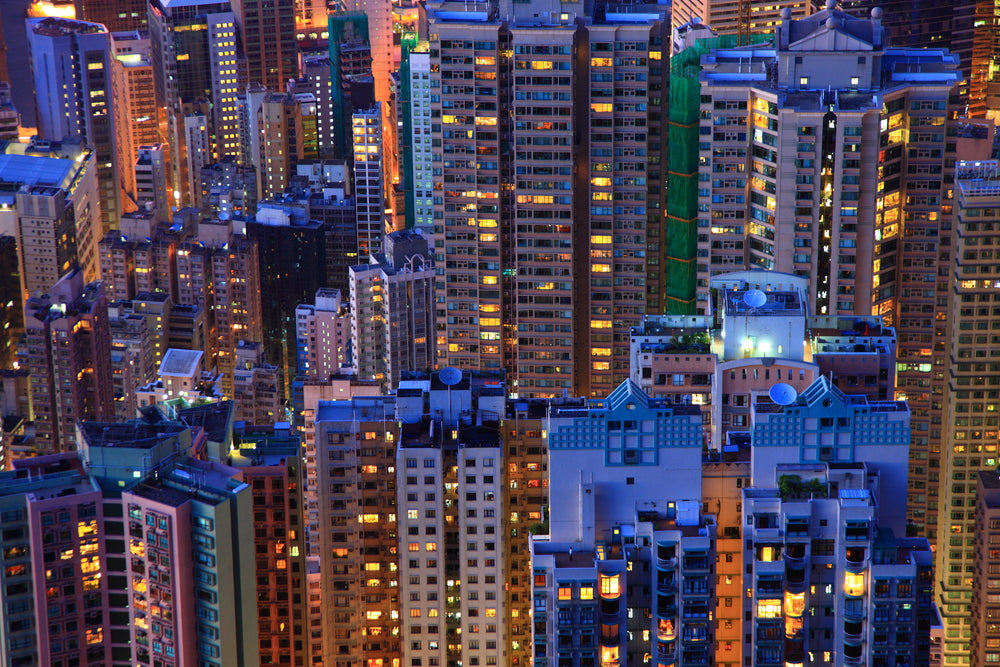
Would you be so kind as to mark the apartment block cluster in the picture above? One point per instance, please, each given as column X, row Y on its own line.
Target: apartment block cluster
column 446, row 523
column 458, row 334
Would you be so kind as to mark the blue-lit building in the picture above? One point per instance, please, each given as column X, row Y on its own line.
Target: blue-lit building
column 625, row 574
column 831, row 577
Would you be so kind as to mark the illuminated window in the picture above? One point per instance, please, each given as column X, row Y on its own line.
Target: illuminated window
column 610, row 586
column 769, row 609
column 601, row 268
column 854, row 584
column 373, row 567
column 373, row 615
column 601, row 108
column 600, row 351
column 600, row 62
column 586, row 592
column 565, row 593
column 489, row 280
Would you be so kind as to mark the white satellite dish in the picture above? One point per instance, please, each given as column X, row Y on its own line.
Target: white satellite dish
column 783, row 394
column 450, row 376
column 754, row 298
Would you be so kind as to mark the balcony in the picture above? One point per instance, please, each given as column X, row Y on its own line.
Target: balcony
column 666, row 585
column 855, row 559
column 610, row 635
column 853, row 631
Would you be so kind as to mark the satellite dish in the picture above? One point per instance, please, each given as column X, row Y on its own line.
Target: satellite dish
column 754, row 298
column 450, row 376
column 783, row 394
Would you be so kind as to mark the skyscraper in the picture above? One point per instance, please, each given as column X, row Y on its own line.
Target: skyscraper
column 830, row 88
column 68, row 346
column 194, row 52
column 72, row 62
column 55, row 210
column 968, row 419
column 267, row 35
column 830, row 573
column 544, row 278
column 392, row 328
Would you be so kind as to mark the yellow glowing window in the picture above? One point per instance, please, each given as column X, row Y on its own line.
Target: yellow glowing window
column 586, row 592
column 373, row 567
column 487, row 223
column 541, row 64
column 654, row 55
column 449, row 119
column 601, row 268
column 600, row 196
column 413, row 546
column 769, row 609
column 373, row 615
column 769, row 554
column 854, row 584
column 601, row 365
column 370, row 469
column 373, row 583
column 412, row 514
column 601, row 181
column 485, row 120
column 491, row 612
column 489, row 280
column 487, row 238
column 795, row 604
column 489, row 308
column 599, row 107
column 489, row 321
column 414, row 613
column 431, row 546
column 368, row 518
column 609, row 656
column 565, row 593
column 600, row 324
column 600, row 239
column 600, row 351
column 610, row 583
column 485, row 60
column 600, row 62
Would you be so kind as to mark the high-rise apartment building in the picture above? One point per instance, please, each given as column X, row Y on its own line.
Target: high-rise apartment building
column 968, row 420
column 151, row 180
column 269, row 460
column 133, row 71
column 825, row 155
column 68, row 353
column 322, row 334
column 287, row 127
column 985, row 606
column 267, row 37
column 54, row 209
column 350, row 60
column 369, row 178
column 819, row 112
column 316, row 80
column 628, row 554
column 201, row 263
column 194, row 53
column 830, row 576
column 72, row 66
column 392, row 297
column 415, row 144
column 544, row 278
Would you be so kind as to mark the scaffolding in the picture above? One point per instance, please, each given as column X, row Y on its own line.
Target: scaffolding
column 683, row 136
